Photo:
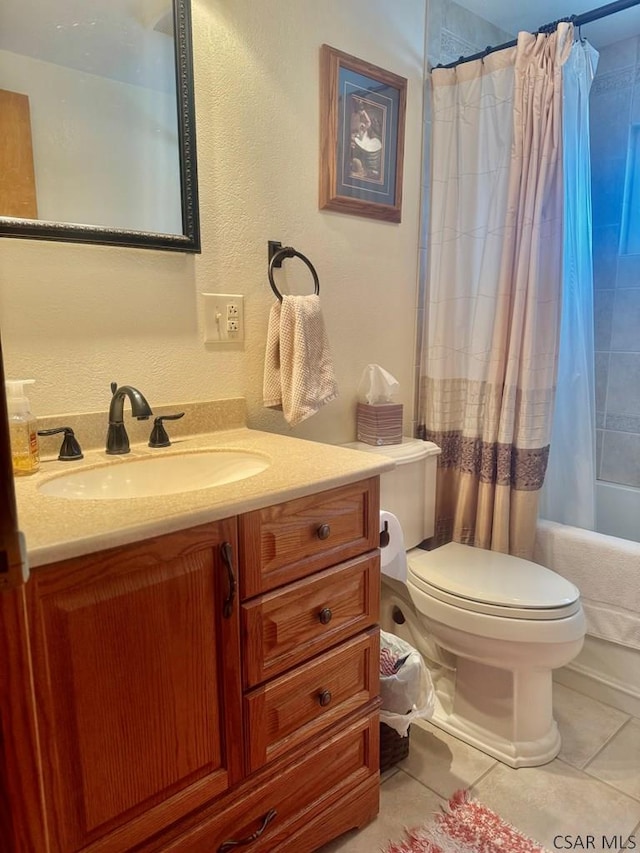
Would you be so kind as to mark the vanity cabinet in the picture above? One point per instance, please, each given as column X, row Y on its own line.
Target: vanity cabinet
column 203, row 688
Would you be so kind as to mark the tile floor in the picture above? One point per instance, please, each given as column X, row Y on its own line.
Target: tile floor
column 591, row 790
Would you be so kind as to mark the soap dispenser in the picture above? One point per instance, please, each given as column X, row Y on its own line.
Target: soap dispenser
column 23, row 430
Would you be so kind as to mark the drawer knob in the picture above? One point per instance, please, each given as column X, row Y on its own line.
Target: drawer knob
column 324, row 531
column 324, row 698
column 325, row 615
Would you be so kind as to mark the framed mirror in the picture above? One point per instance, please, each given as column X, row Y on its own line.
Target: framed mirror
column 97, row 123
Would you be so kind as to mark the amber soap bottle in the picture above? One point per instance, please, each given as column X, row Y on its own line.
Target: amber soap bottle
column 23, row 430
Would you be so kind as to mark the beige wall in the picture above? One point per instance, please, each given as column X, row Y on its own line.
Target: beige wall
column 76, row 317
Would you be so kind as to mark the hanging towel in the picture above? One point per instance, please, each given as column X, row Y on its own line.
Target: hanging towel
column 298, row 370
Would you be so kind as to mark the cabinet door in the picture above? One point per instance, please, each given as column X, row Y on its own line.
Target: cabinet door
column 136, row 668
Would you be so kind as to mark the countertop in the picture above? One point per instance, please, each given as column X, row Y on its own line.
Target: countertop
column 60, row 528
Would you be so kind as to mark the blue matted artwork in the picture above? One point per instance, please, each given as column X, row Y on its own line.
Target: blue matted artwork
column 367, row 138
column 362, row 114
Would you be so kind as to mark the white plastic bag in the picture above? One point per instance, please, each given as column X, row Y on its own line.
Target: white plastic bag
column 407, row 694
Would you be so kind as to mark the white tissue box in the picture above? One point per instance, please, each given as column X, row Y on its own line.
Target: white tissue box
column 379, row 423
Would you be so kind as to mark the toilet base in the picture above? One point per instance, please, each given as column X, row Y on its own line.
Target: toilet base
column 506, row 713
column 514, row 753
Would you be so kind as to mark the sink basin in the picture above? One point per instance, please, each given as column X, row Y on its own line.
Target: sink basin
column 152, row 476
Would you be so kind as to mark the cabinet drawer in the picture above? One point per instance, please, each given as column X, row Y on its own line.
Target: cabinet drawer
column 357, row 808
column 288, row 541
column 298, row 794
column 283, row 628
column 291, row 709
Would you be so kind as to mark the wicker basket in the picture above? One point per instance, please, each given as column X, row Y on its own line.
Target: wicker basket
column 393, row 747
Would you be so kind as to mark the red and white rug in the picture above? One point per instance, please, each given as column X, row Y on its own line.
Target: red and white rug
column 466, row 826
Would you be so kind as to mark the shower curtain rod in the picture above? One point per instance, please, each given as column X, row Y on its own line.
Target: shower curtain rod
column 576, row 20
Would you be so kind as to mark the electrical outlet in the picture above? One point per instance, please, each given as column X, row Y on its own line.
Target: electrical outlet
column 223, row 318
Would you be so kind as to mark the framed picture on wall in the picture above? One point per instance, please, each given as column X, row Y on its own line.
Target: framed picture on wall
column 362, row 115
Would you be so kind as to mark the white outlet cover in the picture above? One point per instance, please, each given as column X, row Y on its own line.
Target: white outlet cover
column 216, row 314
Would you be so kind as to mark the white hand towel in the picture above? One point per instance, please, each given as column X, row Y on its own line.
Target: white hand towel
column 298, row 370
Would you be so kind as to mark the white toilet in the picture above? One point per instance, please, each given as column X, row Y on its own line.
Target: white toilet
column 491, row 627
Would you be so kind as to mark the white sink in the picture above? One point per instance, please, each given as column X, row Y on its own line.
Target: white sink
column 156, row 475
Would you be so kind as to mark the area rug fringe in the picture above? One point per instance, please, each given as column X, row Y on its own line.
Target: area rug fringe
column 466, row 826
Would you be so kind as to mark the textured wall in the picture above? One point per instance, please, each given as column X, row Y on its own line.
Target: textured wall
column 614, row 111
column 75, row 317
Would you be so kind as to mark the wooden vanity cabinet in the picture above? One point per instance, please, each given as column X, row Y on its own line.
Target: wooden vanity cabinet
column 199, row 689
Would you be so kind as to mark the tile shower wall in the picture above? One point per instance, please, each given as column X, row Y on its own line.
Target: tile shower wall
column 615, row 109
column 451, row 32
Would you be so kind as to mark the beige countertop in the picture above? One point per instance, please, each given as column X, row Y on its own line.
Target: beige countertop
column 60, row 528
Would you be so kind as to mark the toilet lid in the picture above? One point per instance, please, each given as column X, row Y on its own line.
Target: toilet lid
column 493, row 583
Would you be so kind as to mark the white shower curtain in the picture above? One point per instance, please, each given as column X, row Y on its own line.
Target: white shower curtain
column 568, row 495
column 493, row 312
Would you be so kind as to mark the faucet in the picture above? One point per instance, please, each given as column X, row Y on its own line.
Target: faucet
column 117, row 438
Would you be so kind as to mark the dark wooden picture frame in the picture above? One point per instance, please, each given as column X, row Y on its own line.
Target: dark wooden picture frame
column 362, row 117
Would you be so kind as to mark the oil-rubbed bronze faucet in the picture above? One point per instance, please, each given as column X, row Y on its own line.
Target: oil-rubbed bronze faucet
column 117, row 438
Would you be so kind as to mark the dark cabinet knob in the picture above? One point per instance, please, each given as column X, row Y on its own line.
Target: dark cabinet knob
column 325, row 615
column 324, row 697
column 324, row 531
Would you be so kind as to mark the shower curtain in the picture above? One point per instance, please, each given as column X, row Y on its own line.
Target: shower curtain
column 568, row 495
column 493, row 311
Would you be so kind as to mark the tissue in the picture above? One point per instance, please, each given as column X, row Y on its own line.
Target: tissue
column 377, row 385
column 379, row 421
column 393, row 558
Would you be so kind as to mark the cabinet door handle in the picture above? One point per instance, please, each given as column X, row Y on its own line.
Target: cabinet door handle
column 324, row 697
column 242, row 842
column 323, row 532
column 227, row 556
column 325, row 615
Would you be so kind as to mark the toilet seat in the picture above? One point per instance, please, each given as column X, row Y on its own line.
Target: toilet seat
column 510, row 587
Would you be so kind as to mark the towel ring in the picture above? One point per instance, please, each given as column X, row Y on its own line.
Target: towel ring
column 289, row 252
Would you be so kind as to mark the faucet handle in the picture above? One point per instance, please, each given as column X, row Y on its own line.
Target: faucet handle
column 159, row 437
column 70, row 448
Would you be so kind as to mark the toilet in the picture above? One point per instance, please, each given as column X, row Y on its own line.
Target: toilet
column 491, row 627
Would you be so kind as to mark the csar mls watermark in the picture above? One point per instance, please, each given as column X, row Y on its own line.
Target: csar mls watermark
column 594, row 842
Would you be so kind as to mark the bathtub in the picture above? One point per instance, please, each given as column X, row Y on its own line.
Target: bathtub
column 606, row 570
column 618, row 510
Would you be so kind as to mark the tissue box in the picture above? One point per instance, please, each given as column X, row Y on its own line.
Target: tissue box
column 379, row 423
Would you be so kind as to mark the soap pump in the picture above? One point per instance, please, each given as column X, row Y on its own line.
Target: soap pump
column 23, row 429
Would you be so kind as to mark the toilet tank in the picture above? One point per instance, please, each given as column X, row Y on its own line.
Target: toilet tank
column 409, row 490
